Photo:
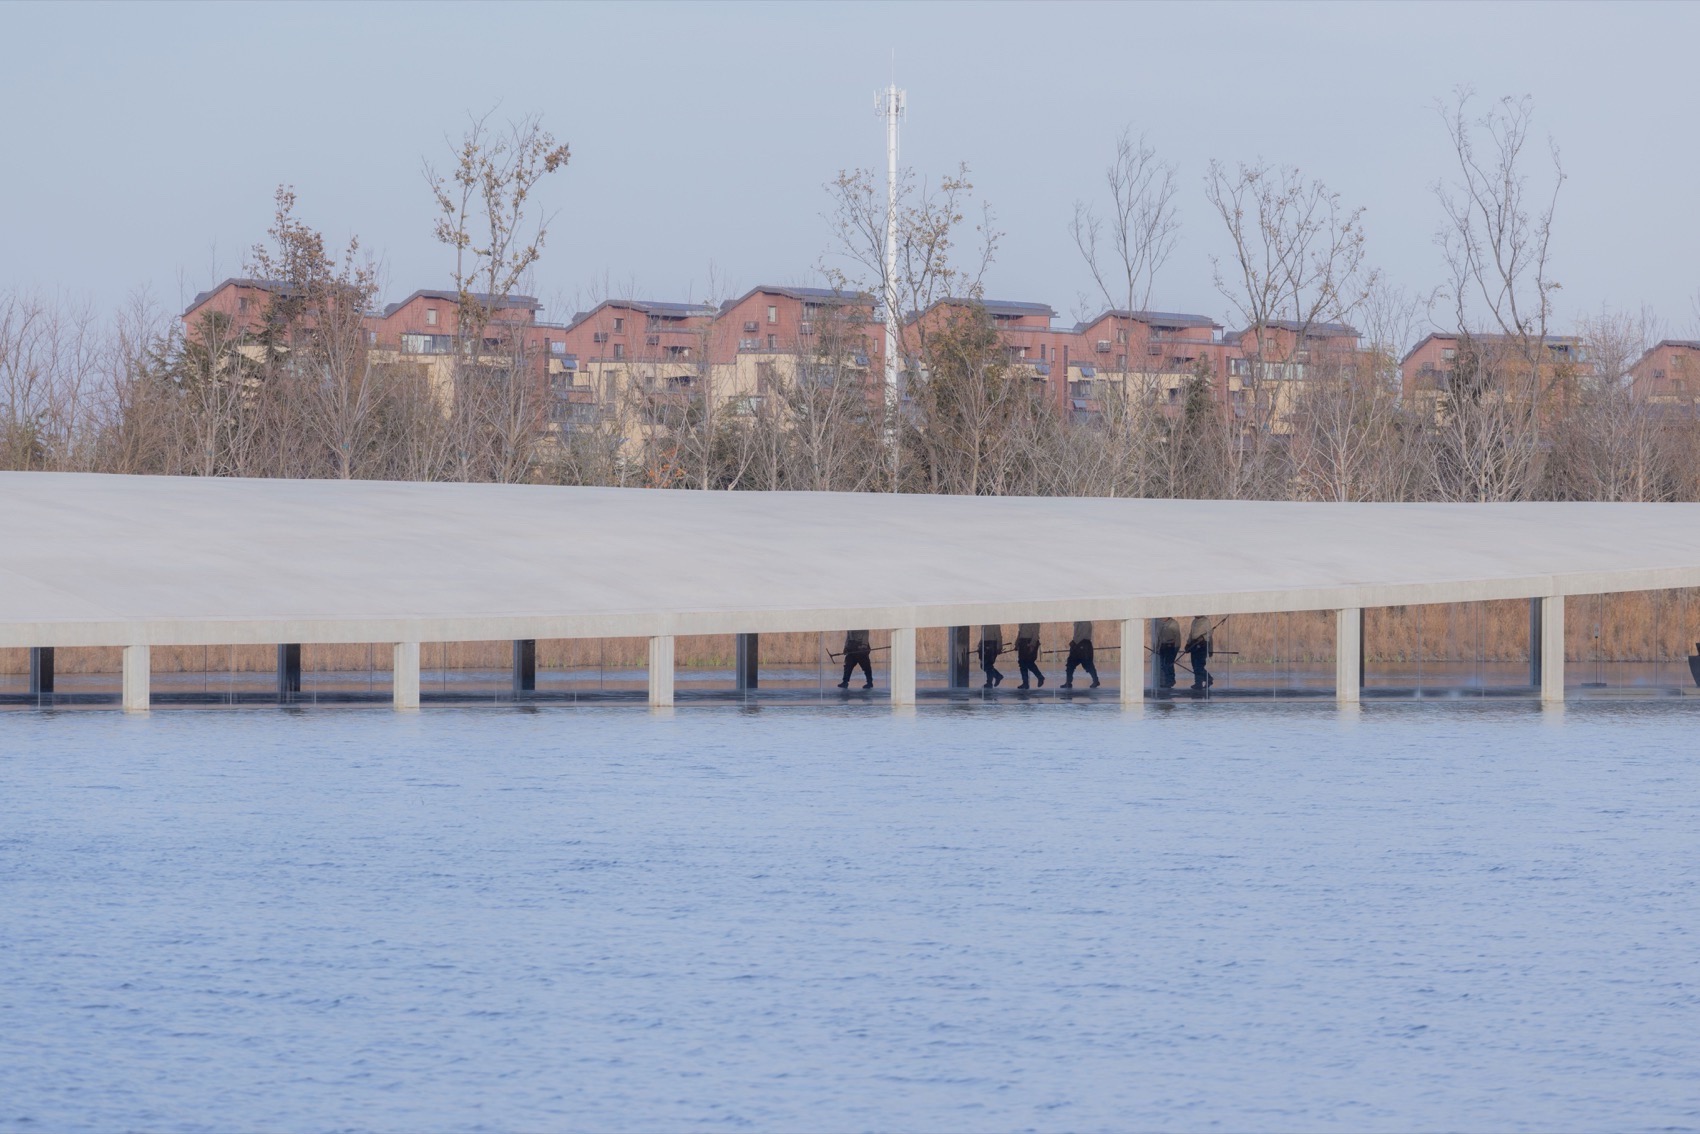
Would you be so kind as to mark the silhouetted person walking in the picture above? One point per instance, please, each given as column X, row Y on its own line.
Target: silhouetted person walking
column 1168, row 649
column 1027, row 653
column 1080, row 655
column 857, row 653
column 1199, row 647
column 991, row 645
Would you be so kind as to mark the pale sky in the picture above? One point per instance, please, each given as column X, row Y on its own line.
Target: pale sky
column 142, row 142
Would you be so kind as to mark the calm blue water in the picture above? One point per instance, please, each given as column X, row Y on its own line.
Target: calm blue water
column 984, row 918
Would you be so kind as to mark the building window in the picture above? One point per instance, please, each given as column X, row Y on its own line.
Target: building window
column 430, row 316
column 427, row 344
column 772, row 340
column 1121, row 335
column 773, row 314
column 619, row 350
column 242, row 304
column 1449, row 355
column 619, row 325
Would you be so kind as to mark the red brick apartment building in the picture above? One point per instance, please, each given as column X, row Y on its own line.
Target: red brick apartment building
column 1668, row 375
column 744, row 347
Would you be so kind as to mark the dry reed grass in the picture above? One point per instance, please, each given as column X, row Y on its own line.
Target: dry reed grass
column 1638, row 626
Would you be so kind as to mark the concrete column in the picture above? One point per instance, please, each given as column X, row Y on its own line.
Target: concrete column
column 1552, row 648
column 1348, row 654
column 749, row 661
column 1133, row 661
column 288, row 671
column 661, row 670
column 405, row 675
column 138, row 673
column 959, row 647
column 903, row 666
column 41, row 671
column 525, row 666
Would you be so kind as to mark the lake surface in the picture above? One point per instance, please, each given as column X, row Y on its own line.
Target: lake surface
column 980, row 917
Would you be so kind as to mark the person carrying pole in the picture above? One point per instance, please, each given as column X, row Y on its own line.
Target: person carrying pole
column 991, row 645
column 857, row 653
column 1080, row 655
column 1168, row 648
column 1027, row 653
column 1199, row 646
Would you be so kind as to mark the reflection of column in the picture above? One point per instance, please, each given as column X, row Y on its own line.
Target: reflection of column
column 958, row 647
column 41, row 671
column 404, row 675
column 1552, row 648
column 1133, row 661
column 1348, row 654
column 661, row 670
column 525, row 665
column 288, row 670
column 138, row 671
column 749, row 660
column 1535, row 642
column 903, row 666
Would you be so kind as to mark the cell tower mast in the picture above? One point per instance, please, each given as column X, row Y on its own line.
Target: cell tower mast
column 889, row 104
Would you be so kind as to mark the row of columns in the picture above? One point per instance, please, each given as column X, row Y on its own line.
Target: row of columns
column 1546, row 650
column 1546, row 662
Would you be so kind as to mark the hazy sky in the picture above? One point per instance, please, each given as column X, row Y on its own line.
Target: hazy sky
column 142, row 142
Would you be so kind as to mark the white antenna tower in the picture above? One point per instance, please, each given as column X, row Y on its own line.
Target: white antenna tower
column 889, row 105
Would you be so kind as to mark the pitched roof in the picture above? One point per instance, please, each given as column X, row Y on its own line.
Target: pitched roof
column 275, row 287
column 1152, row 318
column 806, row 294
column 650, row 307
column 482, row 298
column 1008, row 308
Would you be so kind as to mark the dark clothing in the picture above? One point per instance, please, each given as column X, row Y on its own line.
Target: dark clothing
column 1199, row 647
column 1199, row 652
column 1166, row 654
column 991, row 645
column 853, row 658
column 1080, row 657
column 1027, row 657
column 857, row 653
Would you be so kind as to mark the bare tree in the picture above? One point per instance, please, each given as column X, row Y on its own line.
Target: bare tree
column 1128, row 246
column 47, row 361
column 486, row 213
column 1497, row 240
column 1352, row 438
column 1610, row 445
column 322, row 313
column 931, row 225
column 1297, row 262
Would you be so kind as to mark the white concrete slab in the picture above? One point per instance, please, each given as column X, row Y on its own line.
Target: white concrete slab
column 104, row 560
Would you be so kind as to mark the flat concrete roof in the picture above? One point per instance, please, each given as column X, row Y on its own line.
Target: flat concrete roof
column 116, row 560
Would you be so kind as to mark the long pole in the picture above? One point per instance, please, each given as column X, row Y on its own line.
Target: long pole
column 892, row 104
